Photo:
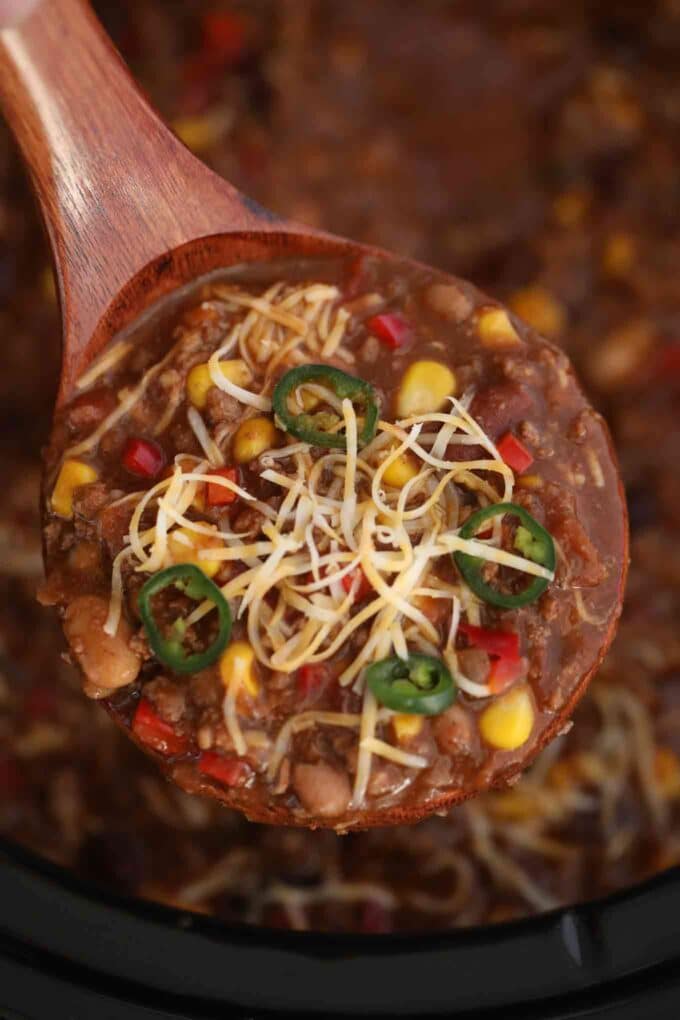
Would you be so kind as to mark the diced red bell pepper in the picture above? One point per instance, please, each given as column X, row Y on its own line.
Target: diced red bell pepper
column 311, row 678
column 143, row 457
column 364, row 586
column 503, row 643
column 219, row 495
column 227, row 770
column 505, row 672
column 392, row 330
column 225, row 35
column 156, row 732
column 514, row 453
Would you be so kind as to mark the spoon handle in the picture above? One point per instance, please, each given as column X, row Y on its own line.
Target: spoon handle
column 117, row 190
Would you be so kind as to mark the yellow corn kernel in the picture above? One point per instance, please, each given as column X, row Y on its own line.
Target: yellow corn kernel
column 495, row 329
column 185, row 545
column 406, row 727
column 529, row 482
column 570, row 208
column 540, row 309
column 507, row 723
column 72, row 474
column 199, row 381
column 424, row 387
column 401, row 470
column 198, row 133
column 253, row 437
column 619, row 359
column 237, row 667
column 618, row 256
column 667, row 772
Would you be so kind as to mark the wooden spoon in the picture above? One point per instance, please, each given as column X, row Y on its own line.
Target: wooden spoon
column 131, row 216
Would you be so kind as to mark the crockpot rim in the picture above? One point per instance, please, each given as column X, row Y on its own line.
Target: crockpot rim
column 567, row 950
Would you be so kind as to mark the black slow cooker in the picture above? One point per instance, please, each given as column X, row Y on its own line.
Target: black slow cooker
column 69, row 951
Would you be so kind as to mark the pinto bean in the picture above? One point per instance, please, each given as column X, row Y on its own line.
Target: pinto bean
column 107, row 661
column 322, row 790
column 454, row 731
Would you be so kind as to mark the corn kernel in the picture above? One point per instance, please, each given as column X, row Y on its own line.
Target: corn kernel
column 540, row 309
column 406, row 727
column 184, row 546
column 424, row 387
column 199, row 381
column 237, row 667
column 495, row 329
column 72, row 474
column 401, row 470
column 570, row 208
column 507, row 723
column 620, row 358
column 253, row 437
column 198, row 133
column 618, row 256
column 529, row 482
column 667, row 772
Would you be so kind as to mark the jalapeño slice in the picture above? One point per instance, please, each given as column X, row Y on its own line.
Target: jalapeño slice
column 169, row 647
column 531, row 541
column 317, row 429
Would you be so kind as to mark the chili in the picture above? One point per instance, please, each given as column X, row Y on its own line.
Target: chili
column 531, row 540
column 315, row 428
column 419, row 684
column 170, row 650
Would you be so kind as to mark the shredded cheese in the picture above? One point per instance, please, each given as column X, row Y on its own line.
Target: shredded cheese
column 335, row 519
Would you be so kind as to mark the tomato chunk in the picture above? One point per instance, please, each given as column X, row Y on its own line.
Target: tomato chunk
column 503, row 643
column 505, row 672
column 514, row 453
column 392, row 330
column 312, row 677
column 143, row 457
column 219, row 495
column 358, row 578
column 156, row 732
column 227, row 770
